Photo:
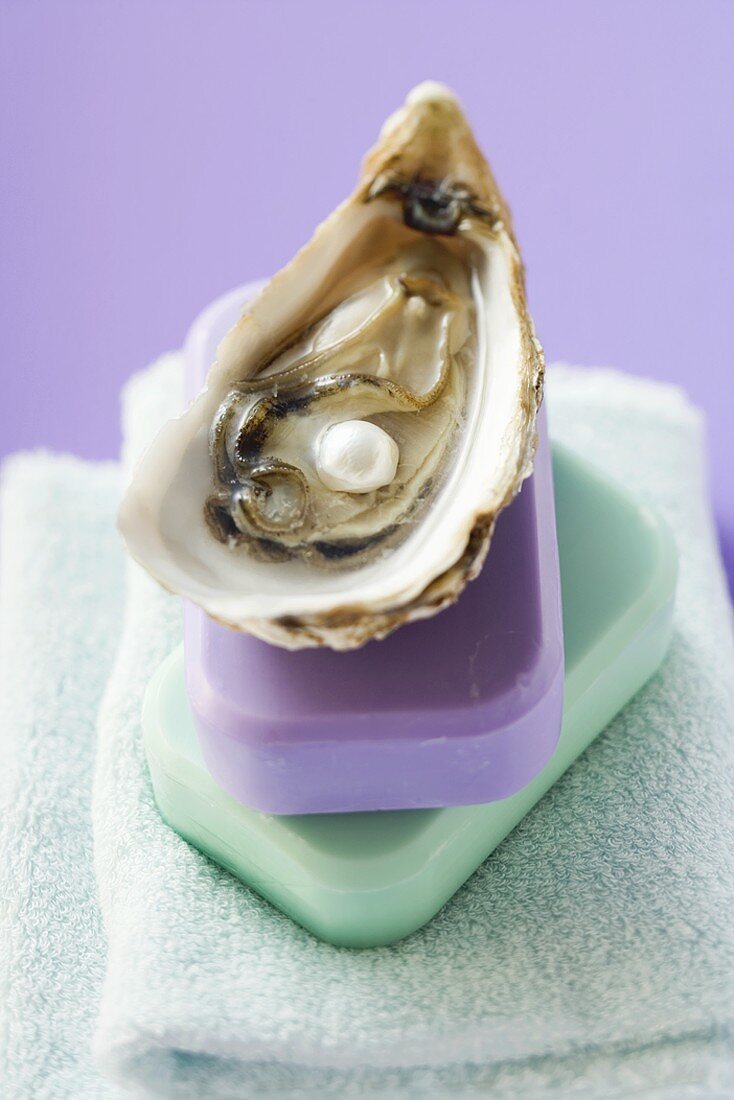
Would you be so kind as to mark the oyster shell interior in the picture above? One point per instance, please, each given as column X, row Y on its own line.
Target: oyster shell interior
column 395, row 350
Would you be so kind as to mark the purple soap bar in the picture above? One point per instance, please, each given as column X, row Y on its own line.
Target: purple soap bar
column 459, row 709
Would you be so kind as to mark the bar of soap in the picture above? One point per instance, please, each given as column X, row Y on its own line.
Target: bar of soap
column 461, row 708
column 366, row 879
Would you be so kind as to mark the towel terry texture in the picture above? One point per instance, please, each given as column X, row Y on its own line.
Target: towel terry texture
column 61, row 605
column 591, row 956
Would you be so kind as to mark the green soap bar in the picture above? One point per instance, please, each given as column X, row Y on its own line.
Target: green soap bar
column 366, row 879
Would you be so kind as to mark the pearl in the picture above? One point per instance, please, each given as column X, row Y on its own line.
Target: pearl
column 356, row 456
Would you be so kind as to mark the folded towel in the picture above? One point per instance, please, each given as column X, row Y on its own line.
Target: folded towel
column 592, row 955
column 61, row 597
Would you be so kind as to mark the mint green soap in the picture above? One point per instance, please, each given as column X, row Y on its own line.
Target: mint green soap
column 365, row 879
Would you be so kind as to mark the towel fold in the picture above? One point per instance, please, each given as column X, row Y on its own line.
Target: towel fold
column 591, row 956
column 592, row 953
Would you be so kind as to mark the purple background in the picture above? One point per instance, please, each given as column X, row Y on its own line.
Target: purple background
column 158, row 152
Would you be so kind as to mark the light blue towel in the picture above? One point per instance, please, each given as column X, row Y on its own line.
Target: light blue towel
column 591, row 956
column 593, row 951
column 61, row 604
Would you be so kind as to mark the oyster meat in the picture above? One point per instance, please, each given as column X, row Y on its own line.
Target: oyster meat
column 368, row 417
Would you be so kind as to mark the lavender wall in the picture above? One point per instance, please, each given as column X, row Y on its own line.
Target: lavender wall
column 157, row 152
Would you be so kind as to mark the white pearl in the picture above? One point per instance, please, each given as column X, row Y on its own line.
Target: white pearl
column 356, row 457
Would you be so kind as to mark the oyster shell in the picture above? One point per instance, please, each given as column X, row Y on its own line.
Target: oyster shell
column 368, row 417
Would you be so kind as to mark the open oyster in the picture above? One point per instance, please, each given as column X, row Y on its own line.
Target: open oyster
column 367, row 418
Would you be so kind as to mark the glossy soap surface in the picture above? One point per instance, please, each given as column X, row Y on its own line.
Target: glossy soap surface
column 461, row 708
column 365, row 879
